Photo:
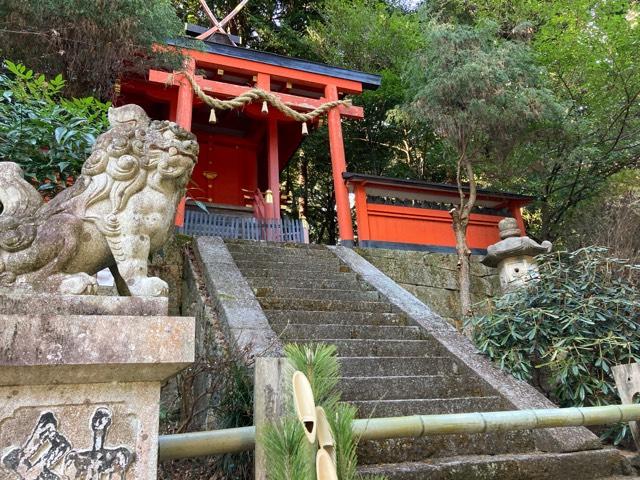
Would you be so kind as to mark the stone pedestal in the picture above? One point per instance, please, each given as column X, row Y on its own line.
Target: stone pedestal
column 16, row 302
column 79, row 394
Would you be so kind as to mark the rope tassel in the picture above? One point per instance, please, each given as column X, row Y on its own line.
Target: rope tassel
column 212, row 116
column 305, row 130
column 265, row 107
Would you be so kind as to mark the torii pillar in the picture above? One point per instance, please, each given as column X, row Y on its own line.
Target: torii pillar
column 338, row 167
column 183, row 115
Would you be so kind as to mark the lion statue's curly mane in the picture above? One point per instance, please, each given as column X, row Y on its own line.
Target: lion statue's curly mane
column 120, row 209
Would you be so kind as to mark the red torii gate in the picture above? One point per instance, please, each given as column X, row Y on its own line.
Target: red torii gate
column 226, row 71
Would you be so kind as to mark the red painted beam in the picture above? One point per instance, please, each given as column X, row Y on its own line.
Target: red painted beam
column 229, row 90
column 142, row 87
column 214, row 60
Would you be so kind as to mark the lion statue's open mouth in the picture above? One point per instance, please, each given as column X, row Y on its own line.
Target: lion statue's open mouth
column 119, row 210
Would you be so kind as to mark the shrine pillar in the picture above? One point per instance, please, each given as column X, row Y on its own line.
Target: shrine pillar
column 184, row 103
column 273, row 166
column 338, row 167
column 183, row 117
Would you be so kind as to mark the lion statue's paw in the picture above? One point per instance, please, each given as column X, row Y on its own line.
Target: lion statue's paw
column 149, row 287
column 78, row 284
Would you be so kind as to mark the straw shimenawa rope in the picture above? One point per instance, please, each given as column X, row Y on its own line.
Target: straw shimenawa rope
column 258, row 94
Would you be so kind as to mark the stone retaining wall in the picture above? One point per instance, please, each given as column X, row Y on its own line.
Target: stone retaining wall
column 433, row 278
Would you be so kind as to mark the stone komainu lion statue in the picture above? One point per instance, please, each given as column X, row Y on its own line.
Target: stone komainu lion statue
column 118, row 211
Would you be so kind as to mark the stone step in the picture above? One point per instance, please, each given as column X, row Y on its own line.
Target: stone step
column 586, row 465
column 318, row 294
column 380, row 348
column 275, row 303
column 427, row 406
column 310, row 266
column 311, row 282
column 296, row 260
column 292, row 275
column 382, row 366
column 433, row 447
column 247, row 246
column 399, row 387
column 336, row 318
column 317, row 333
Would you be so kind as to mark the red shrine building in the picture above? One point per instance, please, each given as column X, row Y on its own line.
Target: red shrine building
column 243, row 153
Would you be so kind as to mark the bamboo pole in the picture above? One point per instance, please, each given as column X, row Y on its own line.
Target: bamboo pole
column 239, row 439
column 421, row 425
column 199, row 444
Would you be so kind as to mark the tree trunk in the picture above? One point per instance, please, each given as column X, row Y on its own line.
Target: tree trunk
column 460, row 217
column 464, row 267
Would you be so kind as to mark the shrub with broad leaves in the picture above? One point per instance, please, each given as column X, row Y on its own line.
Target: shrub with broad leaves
column 48, row 135
column 564, row 332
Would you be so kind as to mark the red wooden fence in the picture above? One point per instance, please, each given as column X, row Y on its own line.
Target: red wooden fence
column 396, row 213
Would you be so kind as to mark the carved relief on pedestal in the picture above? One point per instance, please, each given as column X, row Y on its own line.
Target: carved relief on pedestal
column 63, row 446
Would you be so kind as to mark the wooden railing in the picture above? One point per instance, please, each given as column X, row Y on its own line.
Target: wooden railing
column 198, row 222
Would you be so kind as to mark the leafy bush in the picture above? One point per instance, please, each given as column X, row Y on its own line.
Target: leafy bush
column 565, row 331
column 92, row 43
column 48, row 135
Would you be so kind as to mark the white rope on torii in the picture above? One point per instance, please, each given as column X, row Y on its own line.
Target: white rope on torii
column 219, row 26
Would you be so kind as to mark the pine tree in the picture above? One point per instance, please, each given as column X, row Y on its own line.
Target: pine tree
column 483, row 95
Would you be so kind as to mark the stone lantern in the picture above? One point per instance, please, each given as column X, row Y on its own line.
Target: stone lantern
column 513, row 256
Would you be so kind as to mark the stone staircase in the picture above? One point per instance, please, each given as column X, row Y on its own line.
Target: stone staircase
column 392, row 368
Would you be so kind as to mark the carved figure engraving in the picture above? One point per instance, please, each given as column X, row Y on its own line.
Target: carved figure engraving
column 42, row 451
column 100, row 461
column 41, row 456
column 119, row 211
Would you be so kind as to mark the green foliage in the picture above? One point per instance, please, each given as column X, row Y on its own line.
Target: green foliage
column 48, row 135
column 92, row 43
column 565, row 332
column 481, row 93
column 235, row 409
column 366, row 35
column 484, row 96
column 320, row 365
column 378, row 37
column 590, row 50
column 288, row 452
column 341, row 420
